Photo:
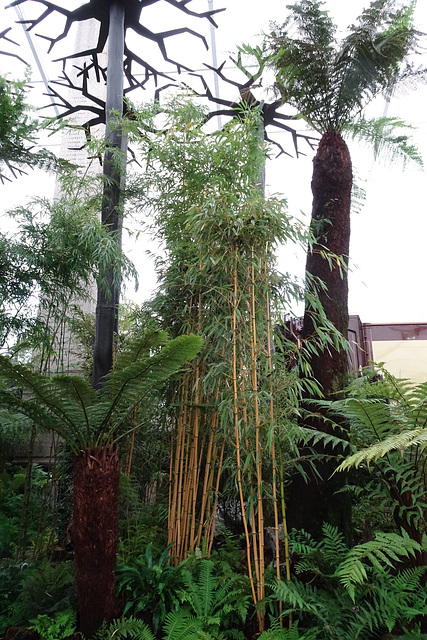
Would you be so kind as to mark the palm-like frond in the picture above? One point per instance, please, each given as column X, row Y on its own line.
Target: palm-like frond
column 330, row 82
column 387, row 137
column 411, row 438
column 126, row 388
column 385, row 550
column 70, row 407
column 396, row 419
column 125, row 628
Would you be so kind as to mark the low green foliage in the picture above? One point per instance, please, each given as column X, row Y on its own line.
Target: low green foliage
column 29, row 590
column 387, row 418
column 19, row 133
column 124, row 628
column 150, row 586
column 12, row 482
column 140, row 523
column 58, row 627
column 277, row 632
column 349, row 594
column 218, row 600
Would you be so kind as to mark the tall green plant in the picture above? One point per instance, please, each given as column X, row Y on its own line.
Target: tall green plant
column 19, row 133
column 219, row 278
column 330, row 82
column 92, row 424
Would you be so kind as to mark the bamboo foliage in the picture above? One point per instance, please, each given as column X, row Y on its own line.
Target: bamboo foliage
column 218, row 279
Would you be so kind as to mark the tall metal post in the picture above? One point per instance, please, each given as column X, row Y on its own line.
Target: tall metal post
column 111, row 215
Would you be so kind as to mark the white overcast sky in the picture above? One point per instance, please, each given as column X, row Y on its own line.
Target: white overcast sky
column 389, row 235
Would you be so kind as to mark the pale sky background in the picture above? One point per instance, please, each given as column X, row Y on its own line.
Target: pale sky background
column 389, row 234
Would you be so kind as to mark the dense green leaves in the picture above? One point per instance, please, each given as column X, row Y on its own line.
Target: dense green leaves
column 19, row 133
column 330, row 82
column 57, row 253
column 352, row 593
column 71, row 408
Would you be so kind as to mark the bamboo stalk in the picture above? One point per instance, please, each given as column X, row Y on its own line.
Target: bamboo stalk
column 285, row 534
column 257, row 439
column 180, row 482
column 207, row 475
column 212, row 526
column 174, row 507
column 186, row 497
column 236, row 430
column 194, row 475
column 273, row 444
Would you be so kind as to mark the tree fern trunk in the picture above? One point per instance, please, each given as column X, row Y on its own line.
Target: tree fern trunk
column 316, row 502
column 331, row 186
column 95, row 534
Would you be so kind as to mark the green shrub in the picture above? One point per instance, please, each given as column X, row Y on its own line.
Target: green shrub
column 150, row 585
column 352, row 594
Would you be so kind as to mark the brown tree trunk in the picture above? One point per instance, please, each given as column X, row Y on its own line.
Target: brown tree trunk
column 315, row 502
column 330, row 222
column 95, row 534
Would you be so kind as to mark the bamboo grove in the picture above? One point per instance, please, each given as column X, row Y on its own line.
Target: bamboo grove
column 218, row 279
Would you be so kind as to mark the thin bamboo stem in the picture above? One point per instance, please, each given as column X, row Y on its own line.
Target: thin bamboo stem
column 236, row 430
column 285, row 534
column 273, row 443
column 207, row 475
column 213, row 514
column 257, row 439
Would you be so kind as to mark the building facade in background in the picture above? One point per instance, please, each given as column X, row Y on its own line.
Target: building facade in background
column 402, row 347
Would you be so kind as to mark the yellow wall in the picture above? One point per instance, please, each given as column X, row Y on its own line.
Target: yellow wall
column 403, row 358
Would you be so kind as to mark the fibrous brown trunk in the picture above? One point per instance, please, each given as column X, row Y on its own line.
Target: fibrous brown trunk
column 313, row 503
column 95, row 534
column 331, row 186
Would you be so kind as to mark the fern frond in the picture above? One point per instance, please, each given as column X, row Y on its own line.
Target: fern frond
column 181, row 625
column 380, row 449
column 127, row 387
column 277, row 632
column 125, row 628
column 387, row 138
column 140, row 348
column 300, row 597
column 333, row 544
column 385, row 550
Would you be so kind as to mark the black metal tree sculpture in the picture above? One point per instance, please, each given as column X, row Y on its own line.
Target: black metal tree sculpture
column 116, row 17
column 96, row 470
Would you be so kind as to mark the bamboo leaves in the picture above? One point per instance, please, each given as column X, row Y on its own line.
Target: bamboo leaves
column 220, row 280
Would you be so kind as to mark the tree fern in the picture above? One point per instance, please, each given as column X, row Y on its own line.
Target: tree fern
column 387, row 137
column 71, row 408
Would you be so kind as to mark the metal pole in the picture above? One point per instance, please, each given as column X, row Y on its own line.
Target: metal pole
column 36, row 58
column 111, row 215
column 214, row 60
